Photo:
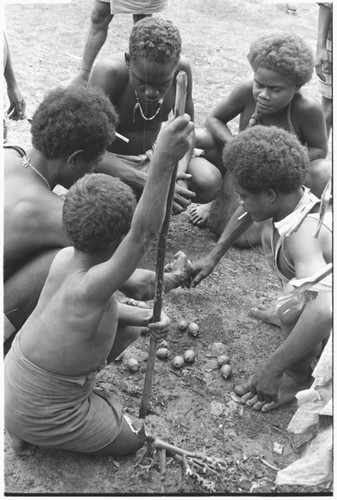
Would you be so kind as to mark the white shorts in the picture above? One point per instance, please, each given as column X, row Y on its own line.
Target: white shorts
column 136, row 6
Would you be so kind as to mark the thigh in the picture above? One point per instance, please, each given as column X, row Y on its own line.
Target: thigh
column 127, row 441
column 23, row 288
column 125, row 336
column 101, row 13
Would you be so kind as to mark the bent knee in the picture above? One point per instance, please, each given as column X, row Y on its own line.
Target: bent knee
column 318, row 176
column 126, row 443
column 100, row 15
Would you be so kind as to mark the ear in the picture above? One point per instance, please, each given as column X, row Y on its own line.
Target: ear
column 75, row 157
column 127, row 59
column 270, row 194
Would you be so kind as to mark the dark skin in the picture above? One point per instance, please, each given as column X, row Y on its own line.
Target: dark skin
column 121, row 77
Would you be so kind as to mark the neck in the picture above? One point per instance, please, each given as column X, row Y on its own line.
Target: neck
column 50, row 169
column 288, row 203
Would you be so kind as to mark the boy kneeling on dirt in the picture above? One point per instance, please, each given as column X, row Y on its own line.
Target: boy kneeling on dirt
column 77, row 324
column 269, row 166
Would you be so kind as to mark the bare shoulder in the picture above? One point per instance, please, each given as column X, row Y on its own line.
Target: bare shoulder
column 110, row 74
column 303, row 106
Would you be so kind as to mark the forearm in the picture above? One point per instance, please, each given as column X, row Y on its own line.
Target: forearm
column 112, row 165
column 133, row 316
column 219, row 131
column 233, row 230
column 141, row 285
column 313, row 326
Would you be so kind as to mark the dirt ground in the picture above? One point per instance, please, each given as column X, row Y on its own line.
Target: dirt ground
column 194, row 407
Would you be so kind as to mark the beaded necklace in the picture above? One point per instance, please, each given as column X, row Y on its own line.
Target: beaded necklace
column 26, row 163
column 138, row 106
column 254, row 119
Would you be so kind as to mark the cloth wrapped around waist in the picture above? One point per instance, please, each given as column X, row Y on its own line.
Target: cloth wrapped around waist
column 137, row 6
column 56, row 411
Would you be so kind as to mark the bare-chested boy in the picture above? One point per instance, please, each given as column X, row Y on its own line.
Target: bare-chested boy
column 141, row 84
column 70, row 130
column 77, row 325
column 282, row 64
column 269, row 166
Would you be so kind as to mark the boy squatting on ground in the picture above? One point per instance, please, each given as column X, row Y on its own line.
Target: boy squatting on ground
column 102, row 14
column 282, row 64
column 51, row 367
column 70, row 130
column 141, row 84
column 269, row 166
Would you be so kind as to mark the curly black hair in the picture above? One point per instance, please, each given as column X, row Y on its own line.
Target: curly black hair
column 156, row 39
column 267, row 157
column 286, row 54
column 97, row 212
column 71, row 119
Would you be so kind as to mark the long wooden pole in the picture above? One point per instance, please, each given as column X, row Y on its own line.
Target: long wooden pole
column 179, row 109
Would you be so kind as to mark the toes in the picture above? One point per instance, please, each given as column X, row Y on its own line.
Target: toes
column 249, row 400
column 242, row 389
column 259, row 405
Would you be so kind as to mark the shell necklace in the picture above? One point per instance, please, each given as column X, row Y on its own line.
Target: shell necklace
column 26, row 163
column 138, row 106
column 254, row 119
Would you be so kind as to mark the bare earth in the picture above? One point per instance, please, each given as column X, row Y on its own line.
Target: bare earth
column 194, row 407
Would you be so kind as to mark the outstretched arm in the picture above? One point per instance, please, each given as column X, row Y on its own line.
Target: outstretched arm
column 307, row 330
column 233, row 230
column 173, row 142
column 141, row 285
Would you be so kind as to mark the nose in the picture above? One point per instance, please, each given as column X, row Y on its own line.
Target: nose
column 152, row 93
column 264, row 93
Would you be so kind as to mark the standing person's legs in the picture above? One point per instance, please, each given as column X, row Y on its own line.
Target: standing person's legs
column 327, row 109
column 98, row 32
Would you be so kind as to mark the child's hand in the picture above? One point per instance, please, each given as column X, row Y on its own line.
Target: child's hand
column 160, row 329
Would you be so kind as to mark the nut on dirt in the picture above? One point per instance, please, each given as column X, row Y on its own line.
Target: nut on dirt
column 189, row 356
column 178, row 362
column 162, row 353
column 182, row 325
column 223, row 359
column 133, row 365
column 226, row 371
column 193, row 329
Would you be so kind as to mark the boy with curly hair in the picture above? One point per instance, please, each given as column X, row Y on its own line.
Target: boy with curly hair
column 77, row 325
column 269, row 166
column 70, row 130
column 282, row 64
column 141, row 84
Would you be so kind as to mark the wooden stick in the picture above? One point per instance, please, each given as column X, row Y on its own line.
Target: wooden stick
column 179, row 109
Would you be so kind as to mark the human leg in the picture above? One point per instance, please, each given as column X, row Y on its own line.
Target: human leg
column 127, row 442
column 22, row 289
column 138, row 17
column 98, row 32
column 318, row 176
column 327, row 109
column 125, row 336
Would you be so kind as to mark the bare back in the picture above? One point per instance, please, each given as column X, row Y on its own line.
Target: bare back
column 32, row 213
column 69, row 333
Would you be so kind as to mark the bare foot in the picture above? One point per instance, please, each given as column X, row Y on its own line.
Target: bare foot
column 199, row 215
column 267, row 314
column 289, row 388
